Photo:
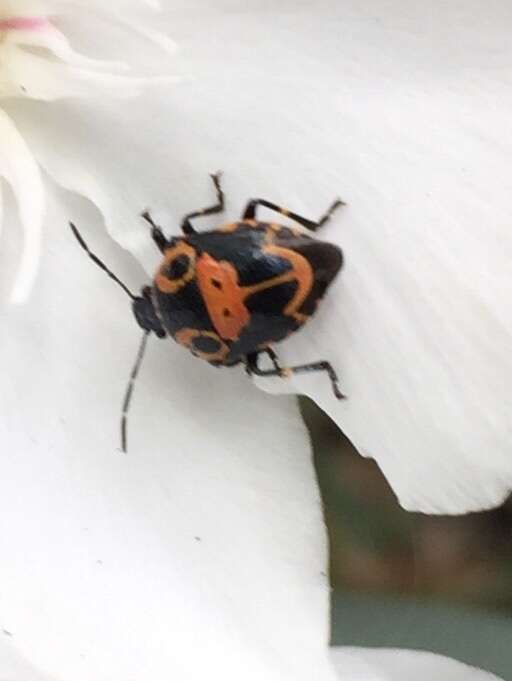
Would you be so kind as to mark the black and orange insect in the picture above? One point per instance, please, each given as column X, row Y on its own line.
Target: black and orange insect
column 230, row 293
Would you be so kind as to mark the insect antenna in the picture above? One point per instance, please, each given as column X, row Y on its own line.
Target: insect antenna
column 98, row 262
column 129, row 389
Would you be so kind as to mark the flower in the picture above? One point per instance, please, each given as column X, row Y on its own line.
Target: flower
column 38, row 62
column 208, row 533
column 417, row 325
column 208, row 536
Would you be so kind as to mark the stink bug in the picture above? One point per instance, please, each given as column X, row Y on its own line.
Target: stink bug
column 230, row 293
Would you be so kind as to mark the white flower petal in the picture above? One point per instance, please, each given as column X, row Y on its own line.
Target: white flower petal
column 403, row 665
column 14, row 666
column 39, row 78
column 362, row 104
column 19, row 8
column 201, row 553
column 56, row 42
column 162, row 40
column 116, row 6
column 19, row 169
column 124, row 13
column 51, row 71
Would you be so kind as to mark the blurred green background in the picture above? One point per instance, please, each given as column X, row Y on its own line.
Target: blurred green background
column 441, row 583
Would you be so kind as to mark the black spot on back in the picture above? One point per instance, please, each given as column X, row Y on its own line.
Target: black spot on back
column 273, row 300
column 206, row 344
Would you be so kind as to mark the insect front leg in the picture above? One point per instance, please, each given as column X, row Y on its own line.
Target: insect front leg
column 250, row 213
column 156, row 233
column 252, row 368
column 186, row 225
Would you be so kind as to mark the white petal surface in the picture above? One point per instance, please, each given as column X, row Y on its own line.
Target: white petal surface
column 19, row 169
column 37, row 61
column 390, row 106
column 56, row 42
column 46, row 80
column 402, row 665
column 201, row 553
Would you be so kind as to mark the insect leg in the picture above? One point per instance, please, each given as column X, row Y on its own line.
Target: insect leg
column 250, row 213
column 156, row 233
column 186, row 226
column 327, row 215
column 273, row 358
column 253, row 368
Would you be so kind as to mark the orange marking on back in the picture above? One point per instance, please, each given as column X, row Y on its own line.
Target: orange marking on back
column 225, row 298
column 301, row 272
column 233, row 226
column 230, row 227
column 166, row 285
column 218, row 283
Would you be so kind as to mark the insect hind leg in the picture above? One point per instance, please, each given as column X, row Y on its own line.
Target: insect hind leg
column 328, row 213
column 186, row 226
column 252, row 368
column 250, row 213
